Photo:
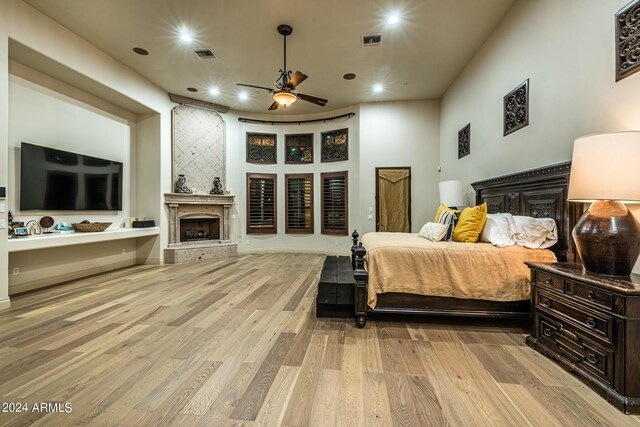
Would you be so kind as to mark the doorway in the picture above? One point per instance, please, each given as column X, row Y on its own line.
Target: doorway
column 393, row 199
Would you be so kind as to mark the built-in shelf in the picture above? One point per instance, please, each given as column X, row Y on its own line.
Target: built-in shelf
column 54, row 240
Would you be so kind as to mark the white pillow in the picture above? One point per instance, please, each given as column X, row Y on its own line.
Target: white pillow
column 497, row 231
column 432, row 231
column 534, row 233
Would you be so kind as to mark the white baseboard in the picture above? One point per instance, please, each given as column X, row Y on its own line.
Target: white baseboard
column 42, row 283
column 293, row 250
column 148, row 261
column 5, row 303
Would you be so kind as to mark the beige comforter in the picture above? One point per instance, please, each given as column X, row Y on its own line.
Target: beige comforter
column 403, row 262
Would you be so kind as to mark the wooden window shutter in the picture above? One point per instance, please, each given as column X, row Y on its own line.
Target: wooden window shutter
column 335, row 203
column 299, row 203
column 261, row 204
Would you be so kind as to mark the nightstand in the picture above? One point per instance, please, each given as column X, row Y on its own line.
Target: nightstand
column 590, row 325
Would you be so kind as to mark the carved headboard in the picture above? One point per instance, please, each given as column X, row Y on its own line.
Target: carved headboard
column 539, row 193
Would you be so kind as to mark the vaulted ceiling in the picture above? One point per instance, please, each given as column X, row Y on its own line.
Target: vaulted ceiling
column 419, row 57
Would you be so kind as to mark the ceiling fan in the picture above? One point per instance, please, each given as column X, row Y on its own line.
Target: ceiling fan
column 284, row 93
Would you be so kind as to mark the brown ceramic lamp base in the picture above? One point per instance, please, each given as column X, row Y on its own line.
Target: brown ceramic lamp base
column 607, row 238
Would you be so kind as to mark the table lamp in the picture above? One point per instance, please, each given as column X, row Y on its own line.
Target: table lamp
column 451, row 194
column 605, row 170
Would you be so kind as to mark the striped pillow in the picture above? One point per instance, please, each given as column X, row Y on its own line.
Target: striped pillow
column 448, row 218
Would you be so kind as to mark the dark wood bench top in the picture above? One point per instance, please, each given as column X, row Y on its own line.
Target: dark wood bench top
column 337, row 269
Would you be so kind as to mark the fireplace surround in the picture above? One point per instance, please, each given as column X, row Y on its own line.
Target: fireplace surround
column 198, row 227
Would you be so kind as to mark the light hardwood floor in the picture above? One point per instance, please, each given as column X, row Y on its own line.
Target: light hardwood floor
column 236, row 342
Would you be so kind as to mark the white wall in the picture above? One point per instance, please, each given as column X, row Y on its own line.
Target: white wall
column 4, row 154
column 41, row 34
column 400, row 134
column 566, row 49
column 43, row 117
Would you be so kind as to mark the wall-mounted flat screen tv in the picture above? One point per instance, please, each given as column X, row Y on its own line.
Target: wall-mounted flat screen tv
column 57, row 180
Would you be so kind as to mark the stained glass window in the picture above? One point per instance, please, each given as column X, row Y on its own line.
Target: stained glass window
column 299, row 148
column 335, row 145
column 261, row 148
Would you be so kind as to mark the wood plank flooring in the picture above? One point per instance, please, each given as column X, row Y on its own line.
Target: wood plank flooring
column 235, row 342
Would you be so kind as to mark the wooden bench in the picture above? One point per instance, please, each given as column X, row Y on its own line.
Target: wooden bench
column 336, row 288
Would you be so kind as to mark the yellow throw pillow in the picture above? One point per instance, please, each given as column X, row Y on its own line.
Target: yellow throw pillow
column 442, row 208
column 470, row 223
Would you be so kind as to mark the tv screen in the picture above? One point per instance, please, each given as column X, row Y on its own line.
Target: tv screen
column 52, row 179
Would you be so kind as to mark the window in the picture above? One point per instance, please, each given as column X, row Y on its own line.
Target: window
column 299, row 203
column 298, row 148
column 261, row 148
column 335, row 145
column 334, row 203
column 261, row 204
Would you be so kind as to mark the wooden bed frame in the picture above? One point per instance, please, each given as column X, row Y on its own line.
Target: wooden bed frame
column 539, row 193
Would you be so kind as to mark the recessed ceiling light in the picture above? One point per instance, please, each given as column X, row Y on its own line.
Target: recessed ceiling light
column 213, row 91
column 243, row 96
column 378, row 87
column 192, row 89
column 186, row 37
column 349, row 76
column 393, row 19
column 141, row 51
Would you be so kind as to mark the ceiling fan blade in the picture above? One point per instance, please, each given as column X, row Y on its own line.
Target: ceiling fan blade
column 254, row 86
column 274, row 106
column 297, row 78
column 314, row 100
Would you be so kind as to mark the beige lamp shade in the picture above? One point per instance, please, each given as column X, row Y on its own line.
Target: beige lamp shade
column 451, row 193
column 606, row 167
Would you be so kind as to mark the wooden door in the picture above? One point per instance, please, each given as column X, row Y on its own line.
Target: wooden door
column 393, row 199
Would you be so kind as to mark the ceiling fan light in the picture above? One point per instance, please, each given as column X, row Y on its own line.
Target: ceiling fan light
column 284, row 98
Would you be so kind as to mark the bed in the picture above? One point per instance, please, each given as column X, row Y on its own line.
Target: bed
column 539, row 193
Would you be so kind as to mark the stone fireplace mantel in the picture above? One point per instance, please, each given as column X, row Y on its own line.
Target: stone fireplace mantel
column 198, row 206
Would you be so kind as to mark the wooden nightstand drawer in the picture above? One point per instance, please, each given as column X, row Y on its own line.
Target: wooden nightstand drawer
column 599, row 325
column 590, row 295
column 568, row 341
column 550, row 280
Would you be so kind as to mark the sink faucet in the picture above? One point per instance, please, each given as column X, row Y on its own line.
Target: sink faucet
column 33, row 227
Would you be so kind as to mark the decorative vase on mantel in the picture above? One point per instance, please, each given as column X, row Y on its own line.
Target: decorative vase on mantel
column 181, row 186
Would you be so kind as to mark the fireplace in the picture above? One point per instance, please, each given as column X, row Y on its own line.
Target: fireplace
column 198, row 227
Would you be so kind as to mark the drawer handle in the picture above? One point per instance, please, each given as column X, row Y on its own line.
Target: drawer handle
column 547, row 332
column 592, row 358
column 591, row 295
column 548, row 281
column 546, row 303
column 591, row 323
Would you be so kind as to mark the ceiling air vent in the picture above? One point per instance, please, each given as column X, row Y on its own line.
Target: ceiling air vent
column 369, row 40
column 205, row 53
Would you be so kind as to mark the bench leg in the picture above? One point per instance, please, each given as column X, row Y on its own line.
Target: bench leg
column 361, row 321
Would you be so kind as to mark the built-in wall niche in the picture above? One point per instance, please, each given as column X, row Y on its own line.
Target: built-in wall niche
column 199, row 148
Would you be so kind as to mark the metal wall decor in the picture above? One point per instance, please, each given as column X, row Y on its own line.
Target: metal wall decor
column 464, row 141
column 298, row 148
column 516, row 108
column 261, row 148
column 335, row 145
column 628, row 40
